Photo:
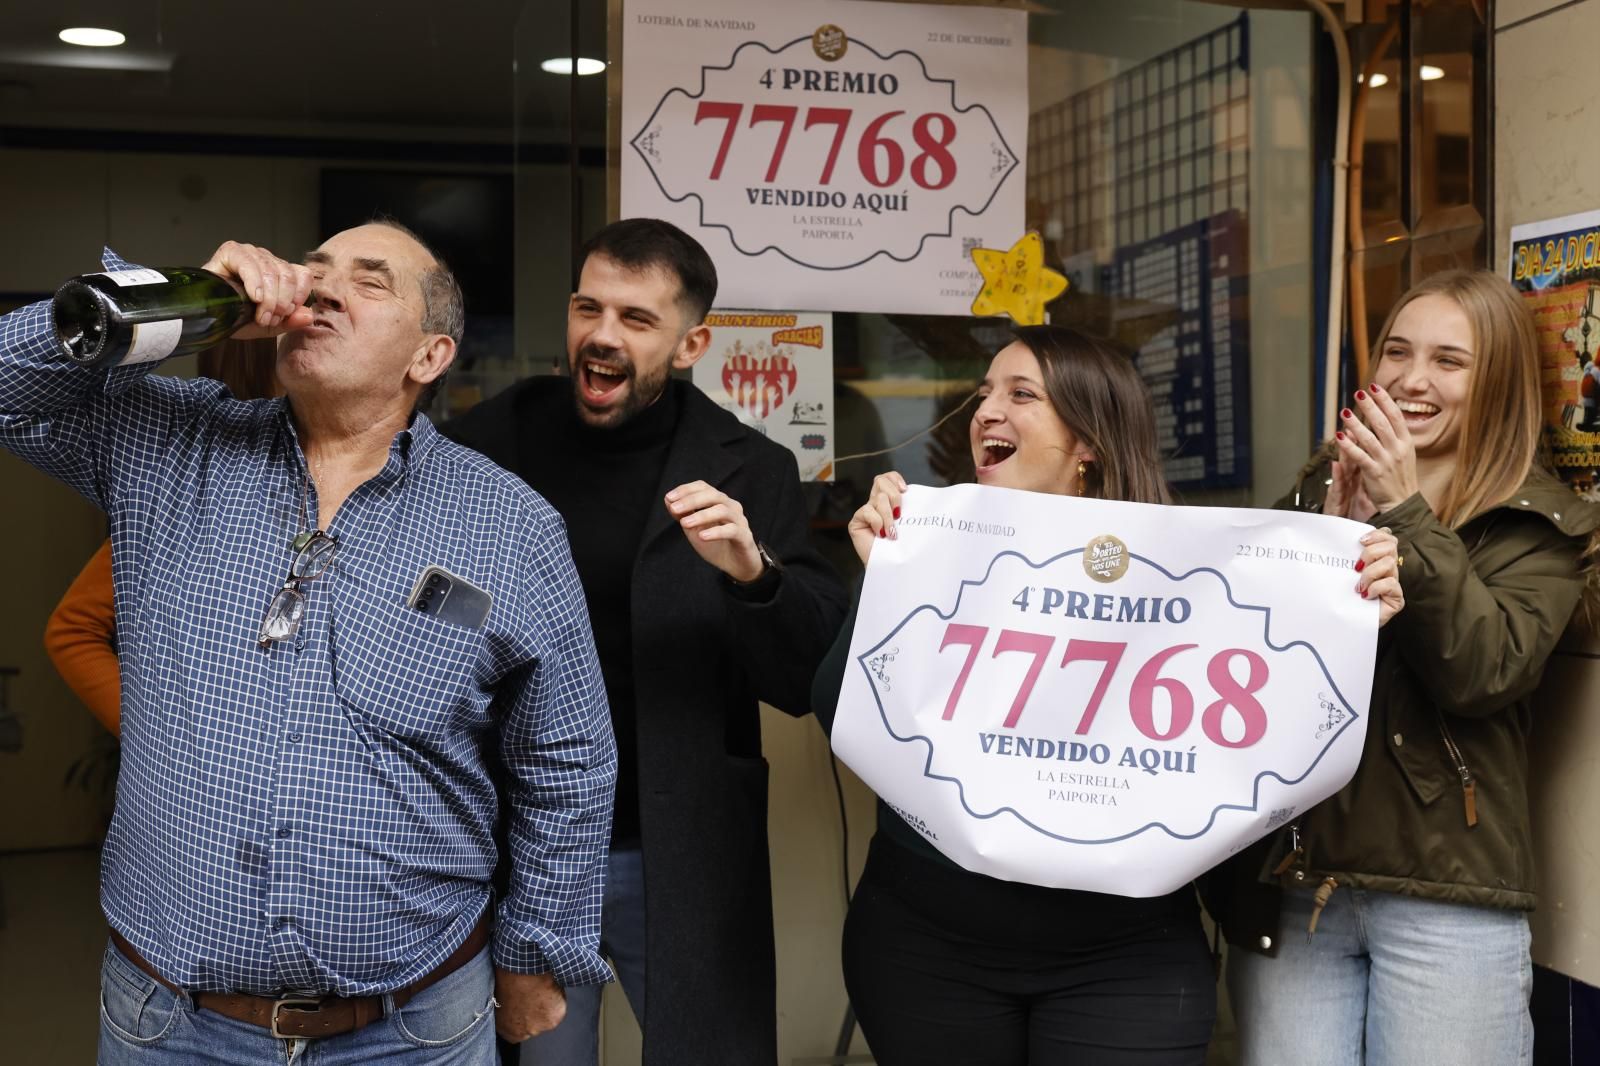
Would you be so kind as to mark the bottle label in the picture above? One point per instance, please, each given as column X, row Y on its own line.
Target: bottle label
column 139, row 276
column 153, row 341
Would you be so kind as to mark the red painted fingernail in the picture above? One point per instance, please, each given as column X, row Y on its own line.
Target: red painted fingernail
column 897, row 512
column 1360, row 395
column 1339, row 435
column 1346, row 413
column 1361, row 564
column 883, row 533
column 1374, row 387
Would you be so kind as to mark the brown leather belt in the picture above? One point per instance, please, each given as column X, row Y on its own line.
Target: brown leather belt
column 291, row 1017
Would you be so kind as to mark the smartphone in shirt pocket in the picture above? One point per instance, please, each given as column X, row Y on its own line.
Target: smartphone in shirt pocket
column 442, row 594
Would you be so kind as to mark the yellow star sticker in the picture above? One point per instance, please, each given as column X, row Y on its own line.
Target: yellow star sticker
column 1016, row 282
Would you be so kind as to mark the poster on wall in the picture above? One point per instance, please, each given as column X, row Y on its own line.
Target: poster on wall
column 837, row 155
column 1099, row 695
column 774, row 372
column 1556, row 266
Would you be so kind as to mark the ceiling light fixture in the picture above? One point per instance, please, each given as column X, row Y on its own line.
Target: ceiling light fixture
column 1378, row 80
column 91, row 37
column 1431, row 73
column 563, row 65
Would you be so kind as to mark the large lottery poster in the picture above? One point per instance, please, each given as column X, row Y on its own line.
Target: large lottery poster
column 774, row 372
column 1556, row 266
column 833, row 155
column 1099, row 695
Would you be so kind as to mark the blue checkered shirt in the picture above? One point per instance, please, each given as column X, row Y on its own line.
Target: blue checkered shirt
column 320, row 816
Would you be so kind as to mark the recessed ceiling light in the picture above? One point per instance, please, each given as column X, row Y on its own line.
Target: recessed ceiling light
column 91, row 37
column 563, row 65
column 1431, row 73
column 1378, row 80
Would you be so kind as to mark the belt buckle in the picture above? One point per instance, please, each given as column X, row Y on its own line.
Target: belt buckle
column 292, row 1002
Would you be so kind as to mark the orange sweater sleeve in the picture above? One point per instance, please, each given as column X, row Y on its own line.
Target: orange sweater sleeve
column 79, row 638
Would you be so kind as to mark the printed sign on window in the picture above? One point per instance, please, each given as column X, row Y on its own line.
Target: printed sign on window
column 834, row 154
column 774, row 372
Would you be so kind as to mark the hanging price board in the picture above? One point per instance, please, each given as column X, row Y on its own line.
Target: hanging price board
column 832, row 155
column 1105, row 696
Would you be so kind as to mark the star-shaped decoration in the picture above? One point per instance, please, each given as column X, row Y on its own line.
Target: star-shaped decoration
column 1016, row 282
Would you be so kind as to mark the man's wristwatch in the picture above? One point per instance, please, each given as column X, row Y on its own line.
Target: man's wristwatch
column 770, row 568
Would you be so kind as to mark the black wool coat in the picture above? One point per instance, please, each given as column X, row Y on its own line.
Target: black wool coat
column 702, row 659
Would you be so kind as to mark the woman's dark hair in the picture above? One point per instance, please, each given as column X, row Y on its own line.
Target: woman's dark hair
column 248, row 368
column 1100, row 396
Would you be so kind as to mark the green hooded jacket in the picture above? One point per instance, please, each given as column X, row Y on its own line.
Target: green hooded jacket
column 1438, row 807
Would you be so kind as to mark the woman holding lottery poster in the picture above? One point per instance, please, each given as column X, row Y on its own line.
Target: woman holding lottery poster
column 944, row 965
column 1389, row 923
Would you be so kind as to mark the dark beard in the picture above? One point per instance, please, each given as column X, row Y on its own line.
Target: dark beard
column 642, row 391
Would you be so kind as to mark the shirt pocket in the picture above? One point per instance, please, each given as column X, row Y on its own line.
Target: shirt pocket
column 407, row 673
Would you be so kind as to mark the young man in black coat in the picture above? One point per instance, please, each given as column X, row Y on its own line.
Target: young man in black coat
column 689, row 535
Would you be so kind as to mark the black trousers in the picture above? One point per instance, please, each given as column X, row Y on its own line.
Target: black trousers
column 957, row 969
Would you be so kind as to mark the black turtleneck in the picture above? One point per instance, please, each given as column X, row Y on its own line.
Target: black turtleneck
column 604, row 482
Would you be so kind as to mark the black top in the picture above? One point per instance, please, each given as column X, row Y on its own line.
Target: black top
column 1087, row 908
column 603, row 482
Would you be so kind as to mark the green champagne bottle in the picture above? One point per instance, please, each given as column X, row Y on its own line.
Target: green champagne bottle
column 138, row 316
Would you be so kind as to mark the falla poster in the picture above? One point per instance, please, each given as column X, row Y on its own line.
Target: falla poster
column 773, row 370
column 1555, row 265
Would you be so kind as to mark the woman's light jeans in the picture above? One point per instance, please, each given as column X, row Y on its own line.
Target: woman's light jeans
column 1387, row 980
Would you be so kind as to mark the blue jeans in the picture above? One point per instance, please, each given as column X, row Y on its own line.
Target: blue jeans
column 576, row 1041
column 1388, row 980
column 450, row 1023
